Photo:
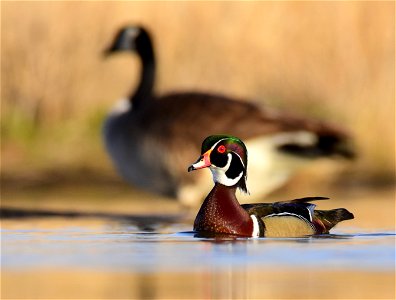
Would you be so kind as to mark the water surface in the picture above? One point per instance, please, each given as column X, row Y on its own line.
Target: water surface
column 142, row 256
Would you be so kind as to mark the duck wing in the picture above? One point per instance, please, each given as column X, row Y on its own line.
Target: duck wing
column 300, row 207
column 296, row 217
column 292, row 218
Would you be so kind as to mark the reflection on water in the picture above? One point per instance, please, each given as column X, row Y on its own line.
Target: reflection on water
column 71, row 247
column 88, row 257
column 182, row 252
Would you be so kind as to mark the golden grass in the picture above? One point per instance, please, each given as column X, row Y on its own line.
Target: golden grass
column 331, row 60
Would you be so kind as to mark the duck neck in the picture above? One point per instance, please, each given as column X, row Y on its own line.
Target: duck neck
column 222, row 213
column 143, row 93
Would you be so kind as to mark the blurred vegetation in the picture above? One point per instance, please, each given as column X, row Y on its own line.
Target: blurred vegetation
column 329, row 60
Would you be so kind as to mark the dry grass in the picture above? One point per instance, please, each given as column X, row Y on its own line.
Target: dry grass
column 332, row 60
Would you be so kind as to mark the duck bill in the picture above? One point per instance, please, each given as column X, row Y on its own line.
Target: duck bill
column 202, row 162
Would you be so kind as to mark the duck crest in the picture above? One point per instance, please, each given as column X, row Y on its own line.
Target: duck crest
column 222, row 213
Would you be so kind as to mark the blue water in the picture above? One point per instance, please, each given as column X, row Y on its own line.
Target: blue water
column 123, row 247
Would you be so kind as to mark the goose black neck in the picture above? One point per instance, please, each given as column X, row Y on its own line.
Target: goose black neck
column 144, row 91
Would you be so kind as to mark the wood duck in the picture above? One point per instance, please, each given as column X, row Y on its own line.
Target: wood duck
column 143, row 133
column 226, row 157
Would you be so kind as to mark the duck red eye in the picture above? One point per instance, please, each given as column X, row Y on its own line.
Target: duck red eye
column 221, row 149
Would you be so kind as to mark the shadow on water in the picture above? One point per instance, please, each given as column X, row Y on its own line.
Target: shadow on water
column 144, row 222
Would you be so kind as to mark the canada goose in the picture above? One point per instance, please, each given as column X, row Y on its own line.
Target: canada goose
column 151, row 138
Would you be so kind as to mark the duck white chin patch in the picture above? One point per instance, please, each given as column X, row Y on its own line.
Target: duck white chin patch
column 220, row 176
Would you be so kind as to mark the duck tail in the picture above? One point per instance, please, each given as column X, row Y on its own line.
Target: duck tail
column 331, row 218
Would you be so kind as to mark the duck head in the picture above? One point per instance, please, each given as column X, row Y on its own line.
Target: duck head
column 226, row 157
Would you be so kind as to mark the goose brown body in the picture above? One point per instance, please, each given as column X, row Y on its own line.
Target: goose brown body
column 143, row 135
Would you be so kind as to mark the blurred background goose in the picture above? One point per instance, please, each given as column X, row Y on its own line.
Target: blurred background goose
column 151, row 139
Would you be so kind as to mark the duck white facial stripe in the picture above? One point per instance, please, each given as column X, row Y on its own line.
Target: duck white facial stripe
column 214, row 146
column 220, row 176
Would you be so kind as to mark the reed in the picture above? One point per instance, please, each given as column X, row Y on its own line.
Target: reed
column 330, row 60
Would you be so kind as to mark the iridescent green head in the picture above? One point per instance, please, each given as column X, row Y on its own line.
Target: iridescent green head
column 226, row 157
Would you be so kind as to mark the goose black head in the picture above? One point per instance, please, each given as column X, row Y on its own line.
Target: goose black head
column 131, row 38
column 226, row 157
